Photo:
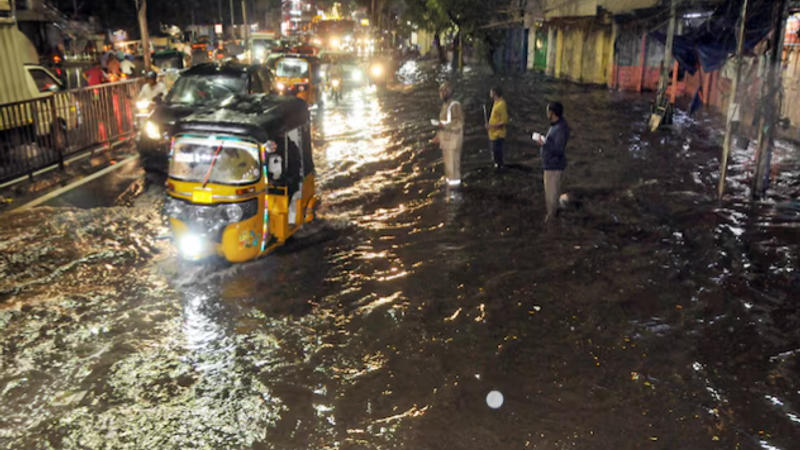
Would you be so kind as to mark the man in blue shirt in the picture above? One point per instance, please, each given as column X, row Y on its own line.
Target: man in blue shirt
column 554, row 159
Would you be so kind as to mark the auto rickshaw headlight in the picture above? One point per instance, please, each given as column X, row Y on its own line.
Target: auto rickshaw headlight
column 151, row 130
column 233, row 212
column 191, row 245
column 376, row 70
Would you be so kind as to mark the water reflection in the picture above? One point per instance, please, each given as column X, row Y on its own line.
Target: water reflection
column 652, row 316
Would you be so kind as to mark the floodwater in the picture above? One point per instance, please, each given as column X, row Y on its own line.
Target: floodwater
column 649, row 316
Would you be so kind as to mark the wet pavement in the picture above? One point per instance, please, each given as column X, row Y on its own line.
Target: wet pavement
column 649, row 316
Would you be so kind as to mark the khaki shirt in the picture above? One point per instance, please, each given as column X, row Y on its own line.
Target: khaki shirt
column 451, row 116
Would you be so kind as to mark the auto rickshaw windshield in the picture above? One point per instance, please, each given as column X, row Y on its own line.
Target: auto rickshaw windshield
column 221, row 161
column 292, row 68
column 197, row 90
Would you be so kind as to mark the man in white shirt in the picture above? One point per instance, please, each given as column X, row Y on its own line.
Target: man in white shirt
column 152, row 88
column 127, row 67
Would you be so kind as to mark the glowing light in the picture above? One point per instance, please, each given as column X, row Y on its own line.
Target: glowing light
column 191, row 246
column 376, row 70
column 151, row 130
column 494, row 399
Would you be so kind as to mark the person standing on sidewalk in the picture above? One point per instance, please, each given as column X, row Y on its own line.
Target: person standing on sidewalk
column 554, row 158
column 451, row 134
column 497, row 126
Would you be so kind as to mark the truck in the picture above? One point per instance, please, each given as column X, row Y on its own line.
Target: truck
column 34, row 107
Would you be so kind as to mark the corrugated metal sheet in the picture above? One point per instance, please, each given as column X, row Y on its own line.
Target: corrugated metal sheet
column 13, row 79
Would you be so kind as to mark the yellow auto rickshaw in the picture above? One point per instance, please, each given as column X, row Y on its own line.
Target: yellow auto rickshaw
column 299, row 76
column 241, row 178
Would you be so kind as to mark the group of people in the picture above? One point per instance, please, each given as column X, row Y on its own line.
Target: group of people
column 110, row 67
column 450, row 138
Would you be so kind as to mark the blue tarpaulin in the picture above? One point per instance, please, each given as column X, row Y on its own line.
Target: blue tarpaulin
column 710, row 44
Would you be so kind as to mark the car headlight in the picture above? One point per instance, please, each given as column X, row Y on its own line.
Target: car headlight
column 280, row 86
column 151, row 130
column 191, row 245
column 233, row 212
column 376, row 70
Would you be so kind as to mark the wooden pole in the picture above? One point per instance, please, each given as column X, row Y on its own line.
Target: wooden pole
column 141, row 14
column 770, row 113
column 733, row 105
column 245, row 27
column 662, row 82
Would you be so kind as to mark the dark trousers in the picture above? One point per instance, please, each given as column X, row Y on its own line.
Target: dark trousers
column 497, row 151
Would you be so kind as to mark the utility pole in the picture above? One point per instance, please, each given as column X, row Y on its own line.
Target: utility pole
column 245, row 27
column 770, row 105
column 733, row 105
column 662, row 110
column 230, row 5
column 141, row 14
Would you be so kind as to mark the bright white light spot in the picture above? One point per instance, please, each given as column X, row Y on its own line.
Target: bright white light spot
column 190, row 245
column 494, row 399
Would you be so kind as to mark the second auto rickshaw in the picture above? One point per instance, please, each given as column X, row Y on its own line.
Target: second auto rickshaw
column 298, row 75
column 241, row 179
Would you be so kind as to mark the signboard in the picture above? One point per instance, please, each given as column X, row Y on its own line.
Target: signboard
column 218, row 28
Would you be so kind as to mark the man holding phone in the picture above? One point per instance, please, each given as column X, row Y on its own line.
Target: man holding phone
column 554, row 158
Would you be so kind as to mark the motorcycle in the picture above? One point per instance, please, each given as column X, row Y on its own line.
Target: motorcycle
column 336, row 88
column 143, row 110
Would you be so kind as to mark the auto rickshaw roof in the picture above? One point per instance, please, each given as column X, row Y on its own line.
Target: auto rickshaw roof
column 258, row 116
column 170, row 52
column 226, row 68
column 310, row 58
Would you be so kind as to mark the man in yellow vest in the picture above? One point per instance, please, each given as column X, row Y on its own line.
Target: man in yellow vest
column 497, row 126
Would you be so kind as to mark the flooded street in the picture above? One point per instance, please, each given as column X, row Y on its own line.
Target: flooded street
column 650, row 316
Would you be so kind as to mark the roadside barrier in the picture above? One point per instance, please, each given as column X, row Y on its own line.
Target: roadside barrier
column 39, row 133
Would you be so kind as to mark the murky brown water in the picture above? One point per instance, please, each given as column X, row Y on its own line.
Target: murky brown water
column 651, row 316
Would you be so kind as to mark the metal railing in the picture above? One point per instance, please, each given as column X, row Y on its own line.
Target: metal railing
column 38, row 133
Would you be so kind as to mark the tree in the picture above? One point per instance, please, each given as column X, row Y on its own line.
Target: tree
column 429, row 15
column 469, row 18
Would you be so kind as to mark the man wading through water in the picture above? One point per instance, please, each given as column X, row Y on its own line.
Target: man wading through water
column 497, row 126
column 451, row 134
column 554, row 159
